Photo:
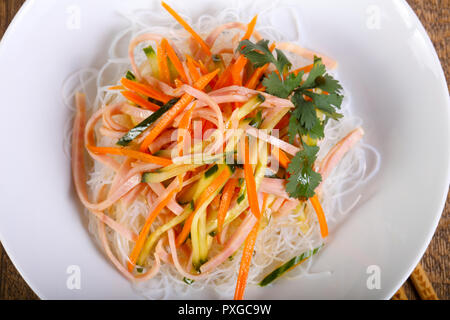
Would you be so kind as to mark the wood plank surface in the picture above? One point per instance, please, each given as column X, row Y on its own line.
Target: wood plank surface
column 435, row 15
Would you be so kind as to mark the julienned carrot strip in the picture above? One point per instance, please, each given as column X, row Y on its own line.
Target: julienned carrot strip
column 250, row 28
column 163, row 65
column 202, row 67
column 195, row 75
column 144, row 89
column 175, row 61
column 131, row 153
column 239, row 65
column 224, row 78
column 236, row 70
column 170, row 115
column 225, row 202
column 183, row 128
column 182, row 132
column 305, row 69
column 189, row 29
column 250, row 181
column 245, row 262
column 209, row 191
column 282, row 158
column 144, row 103
column 146, row 229
column 116, row 88
column 320, row 216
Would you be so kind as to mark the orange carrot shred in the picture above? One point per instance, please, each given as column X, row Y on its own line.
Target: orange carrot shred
column 144, row 103
column 236, row 71
column 131, row 153
column 244, row 268
column 305, row 69
column 209, row 191
column 146, row 229
column 320, row 215
column 282, row 158
column 250, row 180
column 185, row 25
column 195, row 75
column 170, row 115
column 145, row 90
column 175, row 60
column 250, row 28
column 225, row 202
column 163, row 65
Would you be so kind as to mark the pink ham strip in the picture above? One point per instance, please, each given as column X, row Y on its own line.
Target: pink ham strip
column 306, row 53
column 274, row 186
column 287, row 207
column 134, row 43
column 108, row 120
column 237, row 90
column 336, row 153
column 166, row 137
column 176, row 262
column 111, row 133
column 283, row 145
column 223, row 234
column 77, row 156
column 159, row 250
column 89, row 139
column 232, row 244
column 120, row 176
column 78, row 168
column 277, row 204
column 131, row 196
column 137, row 113
column 164, row 87
column 144, row 277
column 205, row 98
column 173, row 206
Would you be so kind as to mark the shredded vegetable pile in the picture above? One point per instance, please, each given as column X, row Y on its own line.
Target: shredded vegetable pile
column 209, row 160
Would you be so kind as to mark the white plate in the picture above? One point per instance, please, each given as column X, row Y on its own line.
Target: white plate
column 389, row 68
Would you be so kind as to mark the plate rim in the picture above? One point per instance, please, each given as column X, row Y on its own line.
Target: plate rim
column 28, row 4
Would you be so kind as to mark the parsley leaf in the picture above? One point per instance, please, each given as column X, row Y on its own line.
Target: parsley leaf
column 259, row 55
column 303, row 179
column 308, row 98
column 317, row 71
column 282, row 89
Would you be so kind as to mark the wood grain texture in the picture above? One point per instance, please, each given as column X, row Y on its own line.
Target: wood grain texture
column 435, row 15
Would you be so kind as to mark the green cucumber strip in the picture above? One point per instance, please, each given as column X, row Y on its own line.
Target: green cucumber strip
column 144, row 125
column 130, row 76
column 211, row 171
column 288, row 266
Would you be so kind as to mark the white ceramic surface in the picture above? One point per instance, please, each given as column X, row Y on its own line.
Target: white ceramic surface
column 389, row 69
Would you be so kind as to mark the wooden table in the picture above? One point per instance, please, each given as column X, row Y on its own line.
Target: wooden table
column 435, row 15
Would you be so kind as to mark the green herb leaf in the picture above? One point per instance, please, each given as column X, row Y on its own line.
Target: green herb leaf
column 259, row 55
column 282, row 89
column 318, row 70
column 303, row 179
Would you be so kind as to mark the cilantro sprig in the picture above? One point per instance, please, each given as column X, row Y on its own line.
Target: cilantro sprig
column 317, row 99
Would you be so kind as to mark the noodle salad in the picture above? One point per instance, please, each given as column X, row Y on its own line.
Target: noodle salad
column 217, row 160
